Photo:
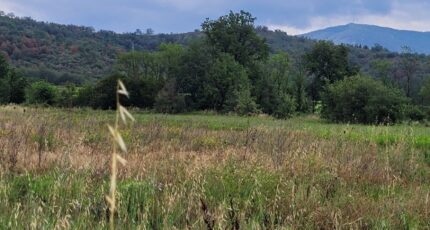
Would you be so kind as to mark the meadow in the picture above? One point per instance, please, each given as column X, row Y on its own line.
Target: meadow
column 209, row 171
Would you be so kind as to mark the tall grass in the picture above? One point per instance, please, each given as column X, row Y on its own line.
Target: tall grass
column 200, row 171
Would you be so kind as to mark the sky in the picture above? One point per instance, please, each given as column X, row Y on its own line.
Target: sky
column 165, row 16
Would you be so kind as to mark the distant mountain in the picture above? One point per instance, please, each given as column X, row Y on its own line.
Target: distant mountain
column 369, row 35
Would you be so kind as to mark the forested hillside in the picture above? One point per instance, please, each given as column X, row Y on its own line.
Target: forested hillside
column 231, row 65
column 69, row 53
column 61, row 53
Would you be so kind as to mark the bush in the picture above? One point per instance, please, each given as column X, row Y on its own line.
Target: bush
column 414, row 113
column 41, row 93
column 67, row 96
column 85, row 96
column 286, row 106
column 245, row 104
column 169, row 100
column 361, row 99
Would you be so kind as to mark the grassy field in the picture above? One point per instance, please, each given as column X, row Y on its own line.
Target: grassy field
column 201, row 171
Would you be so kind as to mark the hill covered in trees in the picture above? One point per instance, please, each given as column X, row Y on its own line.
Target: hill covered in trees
column 69, row 53
column 231, row 65
column 63, row 53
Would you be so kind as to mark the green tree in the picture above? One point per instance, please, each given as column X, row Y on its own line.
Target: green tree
column 18, row 85
column 408, row 68
column 170, row 58
column 67, row 96
column 169, row 100
column 12, row 84
column 192, row 75
column 235, row 34
column 425, row 91
column 224, row 80
column 41, row 93
column 4, row 67
column 5, row 90
column 286, row 106
column 299, row 91
column 381, row 70
column 363, row 100
column 244, row 103
column 86, row 96
column 327, row 63
column 273, row 87
column 279, row 69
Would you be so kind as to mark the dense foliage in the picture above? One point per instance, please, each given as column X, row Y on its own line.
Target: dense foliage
column 361, row 99
column 41, row 93
column 76, row 54
column 231, row 66
column 327, row 63
column 12, row 84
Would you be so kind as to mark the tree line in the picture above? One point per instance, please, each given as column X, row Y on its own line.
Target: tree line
column 231, row 69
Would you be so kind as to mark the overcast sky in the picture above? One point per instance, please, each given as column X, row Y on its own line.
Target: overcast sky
column 164, row 16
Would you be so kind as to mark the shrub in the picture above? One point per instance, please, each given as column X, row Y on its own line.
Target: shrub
column 245, row 104
column 85, row 96
column 361, row 99
column 286, row 106
column 414, row 113
column 169, row 100
column 41, row 93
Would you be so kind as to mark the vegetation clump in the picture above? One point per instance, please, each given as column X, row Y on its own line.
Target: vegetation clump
column 361, row 99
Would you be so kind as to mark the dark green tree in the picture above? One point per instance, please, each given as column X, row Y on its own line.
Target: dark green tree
column 192, row 76
column 17, row 85
column 225, row 79
column 273, row 88
column 4, row 67
column 12, row 84
column 299, row 90
column 67, row 96
column 381, row 70
column 169, row 100
column 425, row 91
column 104, row 96
column 86, row 96
column 243, row 103
column 408, row 68
column 235, row 34
column 41, row 93
column 361, row 99
column 327, row 63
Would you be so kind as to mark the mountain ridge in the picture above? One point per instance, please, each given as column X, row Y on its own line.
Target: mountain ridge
column 370, row 35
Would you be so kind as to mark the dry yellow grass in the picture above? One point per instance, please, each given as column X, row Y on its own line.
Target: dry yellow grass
column 183, row 176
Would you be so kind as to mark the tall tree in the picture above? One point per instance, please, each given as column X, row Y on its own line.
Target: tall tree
column 4, row 67
column 327, row 63
column 235, row 34
column 408, row 67
column 273, row 85
column 425, row 91
column 225, row 80
column 381, row 70
column 12, row 84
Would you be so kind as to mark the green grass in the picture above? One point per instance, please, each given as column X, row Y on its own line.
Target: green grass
column 191, row 171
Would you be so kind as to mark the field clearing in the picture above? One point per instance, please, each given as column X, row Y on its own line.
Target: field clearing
column 202, row 170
